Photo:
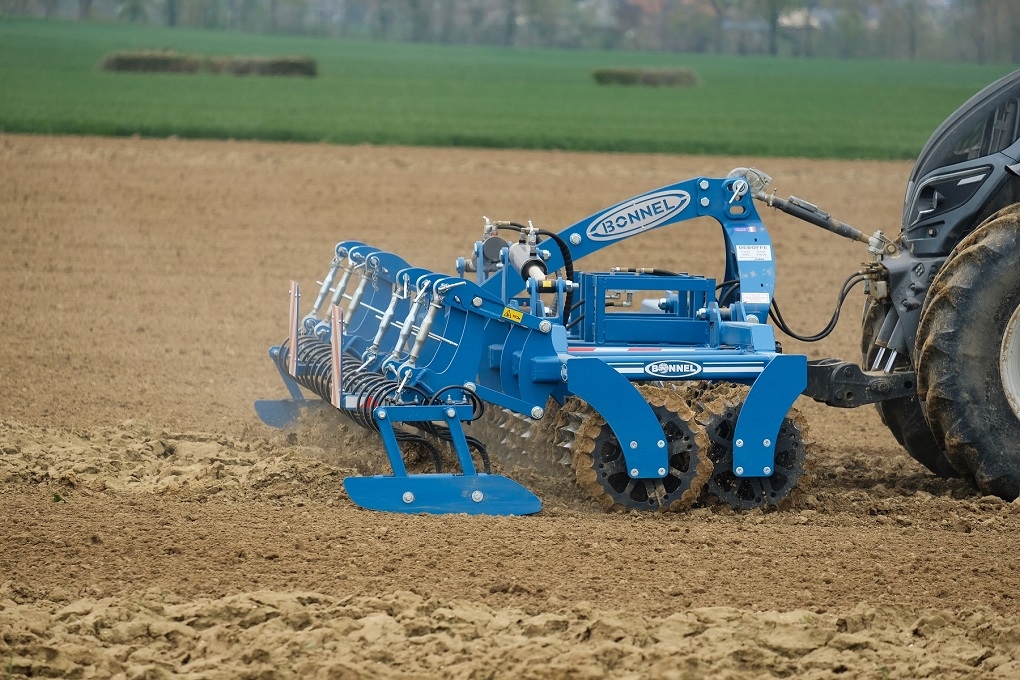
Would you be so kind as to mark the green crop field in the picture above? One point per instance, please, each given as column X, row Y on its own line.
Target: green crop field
column 399, row 93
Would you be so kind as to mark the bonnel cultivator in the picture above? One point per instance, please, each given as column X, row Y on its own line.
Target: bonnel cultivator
column 415, row 354
column 659, row 389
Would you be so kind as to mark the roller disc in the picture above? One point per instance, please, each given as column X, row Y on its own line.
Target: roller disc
column 600, row 465
column 516, row 442
column 718, row 409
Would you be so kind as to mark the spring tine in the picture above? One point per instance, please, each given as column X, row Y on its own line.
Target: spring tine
column 423, row 330
column 356, row 298
column 327, row 283
column 384, row 323
column 405, row 329
column 341, row 286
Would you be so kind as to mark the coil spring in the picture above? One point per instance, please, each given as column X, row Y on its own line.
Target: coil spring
column 374, row 390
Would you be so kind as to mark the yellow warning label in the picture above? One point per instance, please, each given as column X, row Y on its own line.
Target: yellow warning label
column 512, row 314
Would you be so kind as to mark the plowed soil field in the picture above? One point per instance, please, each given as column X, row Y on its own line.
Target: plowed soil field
column 151, row 526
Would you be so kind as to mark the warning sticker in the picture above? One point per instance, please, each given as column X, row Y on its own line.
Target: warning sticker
column 754, row 298
column 512, row 314
column 754, row 253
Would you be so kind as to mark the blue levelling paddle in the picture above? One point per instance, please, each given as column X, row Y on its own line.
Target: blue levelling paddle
column 441, row 494
column 284, row 413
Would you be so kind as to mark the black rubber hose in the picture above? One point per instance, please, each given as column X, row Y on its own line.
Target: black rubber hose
column 777, row 316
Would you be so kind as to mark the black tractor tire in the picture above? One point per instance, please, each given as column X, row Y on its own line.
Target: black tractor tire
column 904, row 417
column 965, row 315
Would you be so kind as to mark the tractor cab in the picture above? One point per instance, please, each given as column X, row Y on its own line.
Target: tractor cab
column 966, row 171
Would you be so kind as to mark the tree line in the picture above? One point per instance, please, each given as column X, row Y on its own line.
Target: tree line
column 968, row 30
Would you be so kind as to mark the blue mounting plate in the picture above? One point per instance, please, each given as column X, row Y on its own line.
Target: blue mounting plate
column 442, row 494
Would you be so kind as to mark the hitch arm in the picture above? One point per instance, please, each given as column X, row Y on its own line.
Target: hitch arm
column 840, row 383
column 812, row 214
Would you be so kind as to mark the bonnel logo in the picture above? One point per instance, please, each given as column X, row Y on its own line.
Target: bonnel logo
column 638, row 215
column 672, row 369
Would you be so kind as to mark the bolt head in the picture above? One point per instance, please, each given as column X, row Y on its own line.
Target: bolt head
column 662, row 472
column 476, row 301
column 704, row 201
column 575, row 239
column 545, row 326
column 470, row 386
column 450, row 413
column 381, row 414
column 739, row 470
column 767, row 443
column 633, row 445
column 767, row 470
column 661, row 444
column 739, row 443
column 703, row 184
column 477, row 496
column 634, row 472
column 537, row 412
column 408, row 497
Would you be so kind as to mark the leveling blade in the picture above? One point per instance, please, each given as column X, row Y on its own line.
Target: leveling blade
column 443, row 494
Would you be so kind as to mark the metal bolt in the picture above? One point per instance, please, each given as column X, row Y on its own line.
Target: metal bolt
column 703, row 184
column 544, row 254
column 545, row 326
column 739, row 443
column 451, row 413
column 661, row 444
column 381, row 414
column 477, row 496
column 408, row 497
column 767, row 470
column 633, row 445
column 739, row 470
column 634, row 472
column 662, row 472
column 575, row 239
column 470, row 386
column 537, row 412
column 476, row 301
column 767, row 443
column 704, row 201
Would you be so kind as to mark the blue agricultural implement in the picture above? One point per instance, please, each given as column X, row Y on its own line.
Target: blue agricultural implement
column 662, row 389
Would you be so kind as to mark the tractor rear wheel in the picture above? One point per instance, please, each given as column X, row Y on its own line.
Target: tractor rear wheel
column 968, row 355
column 903, row 416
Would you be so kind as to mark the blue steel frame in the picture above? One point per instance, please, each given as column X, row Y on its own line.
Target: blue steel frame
column 432, row 330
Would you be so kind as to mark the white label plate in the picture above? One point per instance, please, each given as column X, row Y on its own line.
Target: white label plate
column 754, row 253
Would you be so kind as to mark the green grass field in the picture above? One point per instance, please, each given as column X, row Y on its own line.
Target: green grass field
column 398, row 93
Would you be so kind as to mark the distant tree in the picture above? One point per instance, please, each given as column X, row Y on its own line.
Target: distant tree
column 50, row 8
column 133, row 10
column 447, row 20
column 171, row 12
column 420, row 14
column 849, row 37
column 14, row 7
column 773, row 10
column 84, row 9
column 510, row 25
